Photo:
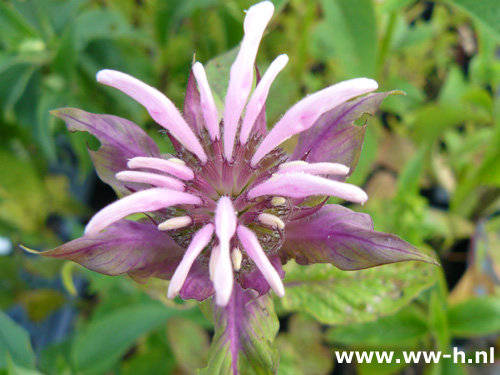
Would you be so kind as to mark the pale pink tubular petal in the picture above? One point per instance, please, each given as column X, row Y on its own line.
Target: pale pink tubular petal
column 241, row 75
column 314, row 168
column 302, row 185
column 161, row 109
column 142, row 201
column 304, row 114
column 254, row 250
column 207, row 102
column 259, row 96
column 225, row 227
column 175, row 169
column 199, row 242
column 151, row 178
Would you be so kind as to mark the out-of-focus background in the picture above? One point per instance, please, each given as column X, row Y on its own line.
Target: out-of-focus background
column 430, row 164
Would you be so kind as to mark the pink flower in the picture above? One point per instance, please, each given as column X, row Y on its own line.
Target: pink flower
column 231, row 207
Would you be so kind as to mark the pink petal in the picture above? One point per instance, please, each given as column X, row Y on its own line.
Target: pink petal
column 199, row 242
column 142, row 201
column 207, row 102
column 161, row 109
column 302, row 185
column 150, row 178
column 225, row 227
column 241, row 75
column 259, row 96
column 254, row 250
column 172, row 167
column 314, row 168
column 304, row 114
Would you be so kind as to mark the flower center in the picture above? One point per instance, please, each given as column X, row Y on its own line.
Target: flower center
column 218, row 177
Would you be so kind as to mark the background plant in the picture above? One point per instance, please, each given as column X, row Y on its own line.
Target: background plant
column 429, row 164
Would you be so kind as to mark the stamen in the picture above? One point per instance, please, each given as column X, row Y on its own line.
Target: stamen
column 236, row 257
column 225, row 227
column 143, row 201
column 214, row 257
column 302, row 185
column 199, row 242
column 241, row 75
column 254, row 250
column 278, row 201
column 150, row 178
column 271, row 221
column 207, row 102
column 175, row 167
column 292, row 164
column 314, row 168
column 175, row 223
column 177, row 160
column 259, row 96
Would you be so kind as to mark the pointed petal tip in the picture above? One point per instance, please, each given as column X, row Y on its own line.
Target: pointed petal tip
column 28, row 250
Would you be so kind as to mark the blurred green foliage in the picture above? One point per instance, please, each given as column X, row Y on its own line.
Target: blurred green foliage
column 429, row 164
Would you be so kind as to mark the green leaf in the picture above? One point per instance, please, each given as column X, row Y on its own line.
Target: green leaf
column 189, row 343
column 14, row 26
column 107, row 339
column 487, row 12
column 14, row 344
column 338, row 297
column 349, row 27
column 13, row 369
column 244, row 332
column 404, row 327
column 432, row 119
column 475, row 317
column 301, row 348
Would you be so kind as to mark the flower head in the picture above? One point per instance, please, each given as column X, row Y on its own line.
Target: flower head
column 230, row 207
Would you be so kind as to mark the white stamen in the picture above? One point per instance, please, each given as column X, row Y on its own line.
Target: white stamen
column 314, row 168
column 256, row 253
column 177, row 160
column 214, row 257
column 292, row 164
column 175, row 223
column 236, row 257
column 200, row 240
column 225, row 227
column 207, row 102
column 272, row 221
column 151, row 179
column 175, row 167
column 278, row 201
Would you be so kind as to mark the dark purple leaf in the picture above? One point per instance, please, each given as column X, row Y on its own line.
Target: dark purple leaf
column 136, row 248
column 244, row 331
column 345, row 239
column 334, row 138
column 120, row 140
column 198, row 285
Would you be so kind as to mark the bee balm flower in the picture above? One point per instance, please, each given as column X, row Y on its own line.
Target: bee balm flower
column 230, row 207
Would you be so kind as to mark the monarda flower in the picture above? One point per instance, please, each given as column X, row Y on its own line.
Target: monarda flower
column 226, row 211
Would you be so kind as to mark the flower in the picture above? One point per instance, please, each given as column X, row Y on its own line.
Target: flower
column 231, row 207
